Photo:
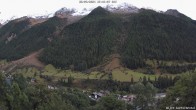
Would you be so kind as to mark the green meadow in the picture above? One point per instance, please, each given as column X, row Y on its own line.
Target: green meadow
column 123, row 75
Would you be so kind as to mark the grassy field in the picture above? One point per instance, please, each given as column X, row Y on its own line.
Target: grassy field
column 128, row 74
column 123, row 75
column 3, row 62
column 76, row 75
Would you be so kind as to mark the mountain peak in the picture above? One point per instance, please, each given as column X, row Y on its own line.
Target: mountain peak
column 173, row 12
column 176, row 13
column 64, row 12
column 99, row 11
column 122, row 8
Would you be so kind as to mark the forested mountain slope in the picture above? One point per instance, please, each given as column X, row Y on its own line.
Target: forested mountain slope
column 14, row 27
column 89, row 42
column 136, row 37
column 30, row 40
column 84, row 44
column 153, row 35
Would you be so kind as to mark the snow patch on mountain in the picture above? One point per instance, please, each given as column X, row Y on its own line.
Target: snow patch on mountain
column 70, row 12
column 64, row 12
column 122, row 8
column 82, row 12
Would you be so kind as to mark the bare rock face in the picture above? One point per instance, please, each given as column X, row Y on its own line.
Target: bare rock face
column 64, row 12
column 173, row 12
column 72, row 15
column 123, row 8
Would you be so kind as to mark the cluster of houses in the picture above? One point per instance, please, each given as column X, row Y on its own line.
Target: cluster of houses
column 160, row 95
column 96, row 95
column 127, row 98
column 52, row 87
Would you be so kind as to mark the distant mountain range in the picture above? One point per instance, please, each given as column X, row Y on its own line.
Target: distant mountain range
column 63, row 12
column 80, row 42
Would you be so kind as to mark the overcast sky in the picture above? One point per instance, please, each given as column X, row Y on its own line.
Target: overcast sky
column 10, row 8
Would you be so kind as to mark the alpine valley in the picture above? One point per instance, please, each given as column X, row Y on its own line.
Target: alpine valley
column 107, row 49
column 123, row 39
